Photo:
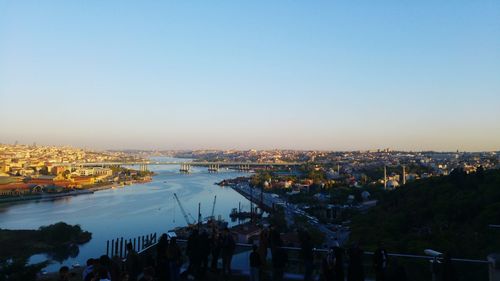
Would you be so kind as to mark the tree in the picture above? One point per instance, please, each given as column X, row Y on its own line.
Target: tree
column 19, row 270
column 480, row 173
column 44, row 171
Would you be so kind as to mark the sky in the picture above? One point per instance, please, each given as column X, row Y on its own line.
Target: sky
column 327, row 75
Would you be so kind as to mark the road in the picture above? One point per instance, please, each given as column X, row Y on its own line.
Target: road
column 292, row 210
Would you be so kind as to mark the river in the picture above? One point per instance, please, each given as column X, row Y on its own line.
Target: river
column 130, row 211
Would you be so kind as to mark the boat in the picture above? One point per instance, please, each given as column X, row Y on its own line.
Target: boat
column 235, row 214
column 208, row 226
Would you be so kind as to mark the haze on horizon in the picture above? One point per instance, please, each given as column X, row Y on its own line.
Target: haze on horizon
column 327, row 75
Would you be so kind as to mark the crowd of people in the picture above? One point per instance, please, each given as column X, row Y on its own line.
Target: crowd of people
column 204, row 250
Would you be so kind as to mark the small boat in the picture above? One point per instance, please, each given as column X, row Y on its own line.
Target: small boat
column 76, row 265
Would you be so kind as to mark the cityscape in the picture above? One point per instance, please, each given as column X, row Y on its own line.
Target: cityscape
column 249, row 140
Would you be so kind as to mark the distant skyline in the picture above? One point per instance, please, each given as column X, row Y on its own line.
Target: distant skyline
column 322, row 75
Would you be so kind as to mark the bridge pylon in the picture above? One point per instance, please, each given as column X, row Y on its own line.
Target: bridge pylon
column 143, row 167
column 185, row 168
column 244, row 167
column 213, row 168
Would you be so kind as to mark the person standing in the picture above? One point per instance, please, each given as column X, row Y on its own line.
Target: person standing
column 204, row 251
column 398, row 272
column 263, row 246
column 175, row 259
column 306, row 254
column 355, row 270
column 227, row 249
column 63, row 273
column 89, row 268
column 448, row 272
column 380, row 261
column 263, row 243
column 328, row 266
column 193, row 252
column 255, row 264
column 339, row 262
column 132, row 263
column 162, row 264
column 279, row 259
column 215, row 248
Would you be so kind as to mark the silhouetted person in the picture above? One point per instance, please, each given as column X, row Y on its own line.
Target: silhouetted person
column 205, row 251
column 355, row 270
column 328, row 266
column 193, row 252
column 263, row 246
column 255, row 264
column 88, row 269
column 274, row 237
column 398, row 272
column 132, row 263
column 306, row 254
column 448, row 272
column 149, row 274
column 215, row 249
column 279, row 259
column 162, row 265
column 174, row 259
column 63, row 273
column 227, row 251
column 380, row 263
column 115, row 268
column 339, row 262
column 105, row 263
column 103, row 274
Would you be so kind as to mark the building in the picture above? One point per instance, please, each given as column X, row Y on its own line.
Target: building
column 81, row 181
column 245, row 233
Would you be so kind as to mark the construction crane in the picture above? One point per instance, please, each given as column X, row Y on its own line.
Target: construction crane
column 213, row 207
column 182, row 210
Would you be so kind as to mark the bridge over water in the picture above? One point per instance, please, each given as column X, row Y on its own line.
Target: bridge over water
column 185, row 166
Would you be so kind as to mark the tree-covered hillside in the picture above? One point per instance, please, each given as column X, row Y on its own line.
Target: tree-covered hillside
column 448, row 214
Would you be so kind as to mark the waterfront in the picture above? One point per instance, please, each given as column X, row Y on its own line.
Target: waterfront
column 128, row 211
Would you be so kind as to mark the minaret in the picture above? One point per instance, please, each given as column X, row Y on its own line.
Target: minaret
column 404, row 175
column 385, row 177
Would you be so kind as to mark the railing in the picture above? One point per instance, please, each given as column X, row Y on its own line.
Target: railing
column 417, row 267
column 118, row 246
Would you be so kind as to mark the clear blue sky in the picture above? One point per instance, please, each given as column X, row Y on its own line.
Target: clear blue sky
column 340, row 75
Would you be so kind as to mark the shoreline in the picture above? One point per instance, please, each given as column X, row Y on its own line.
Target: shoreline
column 48, row 197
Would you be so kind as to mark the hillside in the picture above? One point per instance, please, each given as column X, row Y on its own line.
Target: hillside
column 448, row 214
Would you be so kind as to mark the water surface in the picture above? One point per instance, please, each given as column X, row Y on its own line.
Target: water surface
column 129, row 211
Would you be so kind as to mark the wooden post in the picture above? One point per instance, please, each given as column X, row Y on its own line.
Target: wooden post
column 112, row 247
column 116, row 247
column 121, row 247
column 107, row 248
column 135, row 249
